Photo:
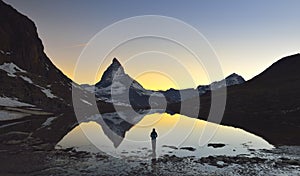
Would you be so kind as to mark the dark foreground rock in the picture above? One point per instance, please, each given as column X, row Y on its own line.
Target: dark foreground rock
column 22, row 159
column 188, row 148
column 218, row 145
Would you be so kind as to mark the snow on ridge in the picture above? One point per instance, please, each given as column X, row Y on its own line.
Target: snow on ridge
column 48, row 93
column 11, row 69
column 48, row 122
column 137, row 86
column 27, row 79
column 5, row 53
column 89, row 88
column 74, row 85
column 8, row 115
column 86, row 102
column 47, row 67
column 13, row 102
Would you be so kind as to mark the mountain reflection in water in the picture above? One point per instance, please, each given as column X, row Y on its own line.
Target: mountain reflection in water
column 126, row 134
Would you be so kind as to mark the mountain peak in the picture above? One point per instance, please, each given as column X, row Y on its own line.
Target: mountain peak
column 234, row 79
column 115, row 66
column 114, row 71
column 233, row 75
column 116, row 61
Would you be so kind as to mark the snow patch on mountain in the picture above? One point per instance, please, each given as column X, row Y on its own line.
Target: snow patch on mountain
column 11, row 69
column 116, row 88
column 5, row 52
column 48, row 122
column 137, row 86
column 27, row 79
column 231, row 80
column 86, row 102
column 48, row 93
column 89, row 88
column 94, row 117
column 74, row 85
column 13, row 102
column 113, row 117
column 9, row 115
column 47, row 67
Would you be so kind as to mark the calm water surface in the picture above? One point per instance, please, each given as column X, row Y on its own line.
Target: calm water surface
column 174, row 132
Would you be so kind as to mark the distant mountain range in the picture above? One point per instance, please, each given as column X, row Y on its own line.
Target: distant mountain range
column 119, row 88
column 36, row 98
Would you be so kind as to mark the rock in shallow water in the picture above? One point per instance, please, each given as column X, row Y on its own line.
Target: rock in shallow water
column 216, row 145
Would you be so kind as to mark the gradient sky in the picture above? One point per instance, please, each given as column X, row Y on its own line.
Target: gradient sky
column 248, row 36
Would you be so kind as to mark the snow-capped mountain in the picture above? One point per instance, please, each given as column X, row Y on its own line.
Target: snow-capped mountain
column 115, row 81
column 230, row 80
column 119, row 88
column 174, row 95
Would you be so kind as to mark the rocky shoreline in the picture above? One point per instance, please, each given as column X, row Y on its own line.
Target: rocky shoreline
column 34, row 159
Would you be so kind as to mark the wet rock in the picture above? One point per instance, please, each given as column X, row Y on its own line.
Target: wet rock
column 167, row 158
column 188, row 148
column 222, row 161
column 216, row 145
column 174, row 158
column 170, row 146
column 287, row 161
column 80, row 154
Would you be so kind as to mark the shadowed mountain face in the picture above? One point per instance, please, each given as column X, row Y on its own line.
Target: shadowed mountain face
column 25, row 69
column 268, row 105
column 35, row 97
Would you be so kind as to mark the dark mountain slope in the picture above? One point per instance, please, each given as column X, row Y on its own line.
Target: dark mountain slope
column 31, row 86
column 268, row 105
column 40, row 83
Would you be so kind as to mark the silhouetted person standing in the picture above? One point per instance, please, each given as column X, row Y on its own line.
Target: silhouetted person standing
column 153, row 136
